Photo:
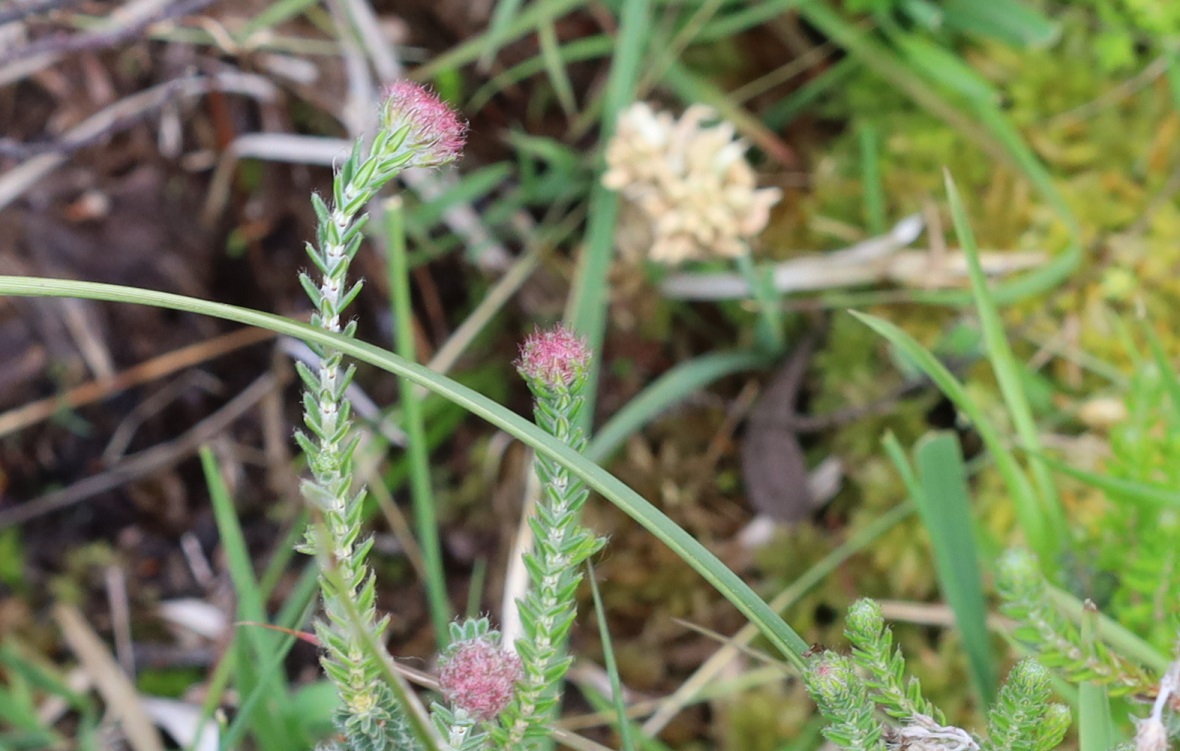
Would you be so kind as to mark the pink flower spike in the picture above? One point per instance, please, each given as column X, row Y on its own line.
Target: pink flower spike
column 556, row 357
column 436, row 134
column 479, row 677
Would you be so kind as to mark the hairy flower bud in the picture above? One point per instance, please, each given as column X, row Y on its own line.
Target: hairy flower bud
column 479, row 677
column 434, row 133
column 556, row 358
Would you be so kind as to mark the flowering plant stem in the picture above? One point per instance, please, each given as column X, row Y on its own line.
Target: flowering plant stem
column 417, row 130
column 855, row 693
column 554, row 365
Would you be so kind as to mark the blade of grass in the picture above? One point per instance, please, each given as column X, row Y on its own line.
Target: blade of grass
column 271, row 16
column 479, row 576
column 669, row 42
column 1010, row 21
column 297, row 602
column 252, row 645
column 533, row 15
column 1139, row 492
column 670, row 388
column 751, row 15
column 28, row 679
column 1095, row 724
column 284, row 551
column 870, row 170
column 421, row 489
column 1167, row 370
column 215, row 688
column 270, row 663
column 586, row 310
column 1028, row 511
column 1054, row 272
column 941, row 66
column 612, row 666
column 1172, row 55
column 602, row 705
column 474, row 187
column 1004, row 365
column 783, row 112
column 576, row 50
column 769, row 333
column 555, row 68
column 994, row 134
column 940, row 492
column 296, row 610
column 707, row 673
column 692, row 88
column 882, row 61
column 776, row 631
column 495, row 36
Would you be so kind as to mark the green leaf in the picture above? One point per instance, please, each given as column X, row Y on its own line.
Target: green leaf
column 264, row 689
column 1119, row 488
column 1028, row 510
column 1095, row 724
column 672, row 387
column 1010, row 21
column 776, row 631
column 944, row 504
column 417, row 447
column 1008, row 374
column 587, row 305
column 943, row 67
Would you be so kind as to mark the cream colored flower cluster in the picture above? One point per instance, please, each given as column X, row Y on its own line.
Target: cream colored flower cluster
column 689, row 181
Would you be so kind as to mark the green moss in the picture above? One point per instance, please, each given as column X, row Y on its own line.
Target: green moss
column 1110, row 148
column 762, row 719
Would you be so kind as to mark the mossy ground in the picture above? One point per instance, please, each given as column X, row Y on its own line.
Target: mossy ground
column 1108, row 136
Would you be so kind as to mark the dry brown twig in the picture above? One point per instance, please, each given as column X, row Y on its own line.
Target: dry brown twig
column 145, row 462
column 17, row 180
column 34, row 412
column 124, row 24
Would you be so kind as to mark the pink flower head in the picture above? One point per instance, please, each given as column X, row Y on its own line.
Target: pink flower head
column 436, row 134
column 556, row 357
column 479, row 677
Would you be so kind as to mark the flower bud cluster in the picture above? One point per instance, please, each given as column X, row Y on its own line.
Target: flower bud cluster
column 554, row 359
column 553, row 363
column 479, row 677
column 690, row 182
column 434, row 133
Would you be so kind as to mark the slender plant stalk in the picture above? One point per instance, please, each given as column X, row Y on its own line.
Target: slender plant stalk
column 417, row 447
column 416, row 131
column 554, row 364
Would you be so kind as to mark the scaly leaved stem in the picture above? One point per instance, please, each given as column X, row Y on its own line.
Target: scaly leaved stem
column 417, row 130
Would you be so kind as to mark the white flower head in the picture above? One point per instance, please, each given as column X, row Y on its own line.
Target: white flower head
column 688, row 183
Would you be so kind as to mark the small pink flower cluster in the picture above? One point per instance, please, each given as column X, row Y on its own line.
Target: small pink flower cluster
column 436, row 134
column 556, row 357
column 479, row 677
